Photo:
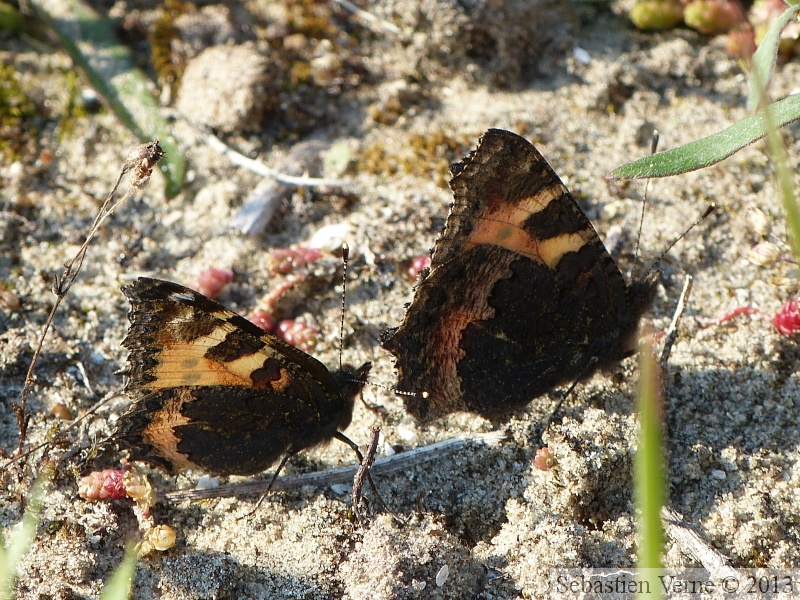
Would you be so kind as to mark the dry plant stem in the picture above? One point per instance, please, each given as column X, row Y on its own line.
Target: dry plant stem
column 687, row 539
column 369, row 20
column 672, row 330
column 691, row 544
column 389, row 464
column 139, row 163
column 259, row 168
column 363, row 471
column 262, row 202
column 104, row 400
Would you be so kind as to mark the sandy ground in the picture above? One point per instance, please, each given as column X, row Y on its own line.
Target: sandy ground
column 588, row 90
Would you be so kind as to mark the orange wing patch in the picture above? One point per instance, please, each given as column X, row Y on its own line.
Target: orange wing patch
column 505, row 227
column 185, row 363
column 160, row 431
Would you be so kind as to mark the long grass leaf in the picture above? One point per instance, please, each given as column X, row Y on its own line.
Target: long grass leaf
column 22, row 538
column 765, row 56
column 712, row 149
column 783, row 173
column 649, row 477
column 118, row 586
column 90, row 41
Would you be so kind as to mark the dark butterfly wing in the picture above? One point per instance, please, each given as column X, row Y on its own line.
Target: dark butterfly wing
column 521, row 296
column 216, row 392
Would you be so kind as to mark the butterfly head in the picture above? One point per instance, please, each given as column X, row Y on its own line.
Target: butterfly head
column 350, row 382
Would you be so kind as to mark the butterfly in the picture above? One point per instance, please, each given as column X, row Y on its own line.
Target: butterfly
column 215, row 392
column 521, row 295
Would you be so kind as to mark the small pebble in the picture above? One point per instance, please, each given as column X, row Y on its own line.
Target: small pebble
column 341, row 488
column 46, row 157
column 60, row 411
column 91, row 100
column 9, row 300
column 442, row 575
column 331, row 237
column 581, row 55
column 207, row 482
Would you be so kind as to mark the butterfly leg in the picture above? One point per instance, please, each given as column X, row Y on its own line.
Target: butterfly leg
column 554, row 414
column 283, row 462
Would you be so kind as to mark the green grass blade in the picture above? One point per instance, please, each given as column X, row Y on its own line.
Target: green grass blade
column 783, row 173
column 765, row 56
column 713, row 149
column 22, row 538
column 90, row 41
column 10, row 18
column 118, row 586
column 785, row 178
column 649, row 475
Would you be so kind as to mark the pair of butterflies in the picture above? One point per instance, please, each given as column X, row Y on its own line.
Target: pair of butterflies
column 521, row 296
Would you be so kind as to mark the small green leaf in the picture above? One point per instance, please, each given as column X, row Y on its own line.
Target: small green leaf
column 783, row 172
column 710, row 150
column 656, row 14
column 767, row 52
column 22, row 538
column 10, row 18
column 91, row 43
column 118, row 586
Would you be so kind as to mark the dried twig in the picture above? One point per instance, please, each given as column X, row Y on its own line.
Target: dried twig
column 369, row 20
column 389, row 464
column 672, row 330
column 691, row 544
column 97, row 405
column 260, row 168
column 363, row 470
column 139, row 163
column 263, row 201
column 679, row 532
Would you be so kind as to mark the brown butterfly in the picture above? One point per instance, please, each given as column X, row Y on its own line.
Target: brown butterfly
column 215, row 392
column 521, row 295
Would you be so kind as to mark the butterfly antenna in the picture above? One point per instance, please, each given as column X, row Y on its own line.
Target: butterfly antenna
column 345, row 256
column 711, row 208
column 395, row 390
column 653, row 146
